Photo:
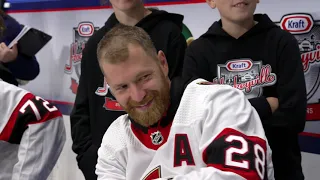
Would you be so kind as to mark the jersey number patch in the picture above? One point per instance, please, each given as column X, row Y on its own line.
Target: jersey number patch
column 30, row 110
column 233, row 151
column 33, row 106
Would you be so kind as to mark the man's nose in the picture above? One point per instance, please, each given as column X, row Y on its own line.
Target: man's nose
column 137, row 93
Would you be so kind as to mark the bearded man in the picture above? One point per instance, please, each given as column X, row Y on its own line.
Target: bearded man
column 179, row 129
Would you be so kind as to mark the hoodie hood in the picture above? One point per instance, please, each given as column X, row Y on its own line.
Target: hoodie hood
column 264, row 24
column 152, row 20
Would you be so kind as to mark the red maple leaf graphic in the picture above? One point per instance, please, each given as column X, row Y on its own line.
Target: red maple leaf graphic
column 74, row 86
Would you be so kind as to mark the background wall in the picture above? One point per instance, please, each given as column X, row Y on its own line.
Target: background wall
column 60, row 59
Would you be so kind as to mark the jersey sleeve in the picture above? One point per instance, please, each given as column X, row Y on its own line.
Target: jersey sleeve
column 232, row 139
column 111, row 158
column 38, row 128
column 109, row 167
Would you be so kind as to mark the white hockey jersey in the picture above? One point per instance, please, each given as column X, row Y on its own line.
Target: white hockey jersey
column 215, row 134
column 32, row 135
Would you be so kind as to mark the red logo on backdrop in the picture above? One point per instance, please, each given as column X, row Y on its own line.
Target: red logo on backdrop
column 81, row 34
column 85, row 29
column 74, row 86
column 313, row 112
column 307, row 33
column 112, row 105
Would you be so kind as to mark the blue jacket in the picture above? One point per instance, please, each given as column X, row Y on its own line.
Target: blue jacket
column 24, row 67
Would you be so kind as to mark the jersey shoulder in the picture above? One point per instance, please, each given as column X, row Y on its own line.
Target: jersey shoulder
column 117, row 135
column 205, row 91
column 197, row 98
column 19, row 109
column 9, row 91
column 10, row 96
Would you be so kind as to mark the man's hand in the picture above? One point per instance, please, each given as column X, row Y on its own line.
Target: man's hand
column 7, row 54
column 274, row 103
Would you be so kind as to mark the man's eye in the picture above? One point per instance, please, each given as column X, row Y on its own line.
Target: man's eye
column 145, row 77
column 122, row 87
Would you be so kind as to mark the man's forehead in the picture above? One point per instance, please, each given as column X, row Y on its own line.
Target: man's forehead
column 137, row 62
column 117, row 74
column 132, row 62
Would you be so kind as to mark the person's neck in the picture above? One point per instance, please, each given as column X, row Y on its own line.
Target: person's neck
column 132, row 17
column 236, row 30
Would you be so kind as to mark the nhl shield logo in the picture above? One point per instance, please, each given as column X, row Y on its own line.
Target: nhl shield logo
column 156, row 138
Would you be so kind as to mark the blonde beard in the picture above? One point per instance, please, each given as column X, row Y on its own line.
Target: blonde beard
column 154, row 113
column 150, row 116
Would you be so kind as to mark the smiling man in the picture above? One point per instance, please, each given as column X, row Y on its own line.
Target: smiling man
column 179, row 129
column 95, row 108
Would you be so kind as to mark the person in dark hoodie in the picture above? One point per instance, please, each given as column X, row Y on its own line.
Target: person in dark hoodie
column 95, row 108
column 251, row 53
column 23, row 67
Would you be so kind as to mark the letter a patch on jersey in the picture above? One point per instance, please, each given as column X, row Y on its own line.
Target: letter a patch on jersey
column 182, row 151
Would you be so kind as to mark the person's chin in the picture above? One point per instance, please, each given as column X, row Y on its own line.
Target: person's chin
column 127, row 6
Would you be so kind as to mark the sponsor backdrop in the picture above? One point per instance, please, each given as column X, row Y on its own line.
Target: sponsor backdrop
column 72, row 22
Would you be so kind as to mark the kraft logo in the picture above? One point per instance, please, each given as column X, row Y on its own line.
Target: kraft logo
column 297, row 23
column 85, row 29
column 239, row 65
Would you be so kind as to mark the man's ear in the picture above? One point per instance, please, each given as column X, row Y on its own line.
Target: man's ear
column 163, row 62
column 211, row 3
